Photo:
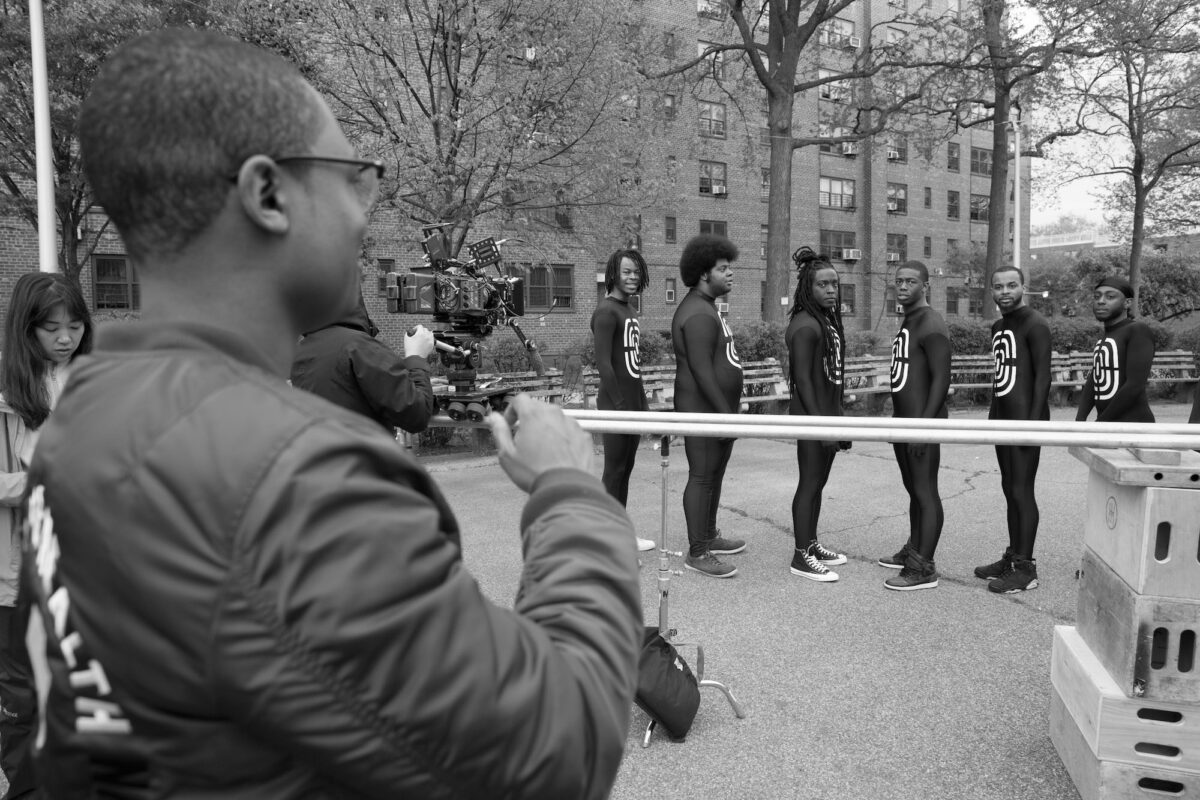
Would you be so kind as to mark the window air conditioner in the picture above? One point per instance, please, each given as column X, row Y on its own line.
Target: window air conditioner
column 892, row 205
column 670, row 296
column 893, row 155
column 851, row 254
column 854, row 42
column 893, row 256
column 719, row 190
column 849, row 148
column 722, row 308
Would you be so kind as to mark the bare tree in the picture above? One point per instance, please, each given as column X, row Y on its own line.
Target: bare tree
column 1140, row 105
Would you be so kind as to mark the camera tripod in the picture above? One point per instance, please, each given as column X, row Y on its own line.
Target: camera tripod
column 664, row 581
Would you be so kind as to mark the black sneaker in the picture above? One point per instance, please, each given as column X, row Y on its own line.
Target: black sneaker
column 897, row 561
column 710, row 565
column 726, row 547
column 827, row 556
column 1021, row 577
column 917, row 573
column 806, row 564
column 996, row 568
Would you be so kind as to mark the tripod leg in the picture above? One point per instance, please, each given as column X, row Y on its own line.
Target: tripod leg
column 649, row 730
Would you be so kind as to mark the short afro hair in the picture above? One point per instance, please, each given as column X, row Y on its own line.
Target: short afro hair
column 919, row 266
column 171, row 117
column 701, row 254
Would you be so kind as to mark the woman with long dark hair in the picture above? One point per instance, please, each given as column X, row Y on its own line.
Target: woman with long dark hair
column 816, row 352
column 47, row 326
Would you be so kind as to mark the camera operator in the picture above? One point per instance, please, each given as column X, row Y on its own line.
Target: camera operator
column 347, row 365
column 264, row 589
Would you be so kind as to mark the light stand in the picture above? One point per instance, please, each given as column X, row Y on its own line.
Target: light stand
column 664, row 582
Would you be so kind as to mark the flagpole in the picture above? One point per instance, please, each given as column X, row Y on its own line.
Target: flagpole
column 47, row 224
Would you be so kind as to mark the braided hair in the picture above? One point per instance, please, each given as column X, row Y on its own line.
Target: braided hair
column 833, row 335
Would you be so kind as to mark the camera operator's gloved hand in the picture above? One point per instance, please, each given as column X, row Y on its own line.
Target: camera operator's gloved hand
column 419, row 342
column 533, row 437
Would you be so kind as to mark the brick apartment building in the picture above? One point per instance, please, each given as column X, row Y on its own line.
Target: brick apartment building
column 868, row 205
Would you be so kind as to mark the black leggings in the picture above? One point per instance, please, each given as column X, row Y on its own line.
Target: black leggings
column 925, row 514
column 707, row 459
column 1018, row 471
column 620, row 451
column 815, row 461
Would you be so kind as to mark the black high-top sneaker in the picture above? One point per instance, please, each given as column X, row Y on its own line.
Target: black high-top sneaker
column 1021, row 578
column 996, row 568
column 917, row 573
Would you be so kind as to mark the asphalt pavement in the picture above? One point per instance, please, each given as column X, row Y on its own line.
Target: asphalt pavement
column 851, row 691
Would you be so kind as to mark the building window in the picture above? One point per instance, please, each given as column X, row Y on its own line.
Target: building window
column 897, row 248
column 764, row 231
column 952, row 201
column 716, row 227
column 669, row 49
column 713, row 9
column 897, row 198
column 764, row 132
column 669, row 290
column 385, row 265
column 975, row 301
column 890, row 306
column 929, row 197
column 827, row 131
column 836, row 33
column 114, row 285
column 669, row 230
column 670, row 107
column 897, row 147
column 928, row 247
column 716, row 61
column 712, row 178
column 712, row 120
column 836, row 91
column 848, row 304
column 951, row 248
column 953, row 154
column 836, row 193
column 765, row 189
column 834, row 244
column 981, row 161
column 551, row 287
column 952, row 296
column 979, row 207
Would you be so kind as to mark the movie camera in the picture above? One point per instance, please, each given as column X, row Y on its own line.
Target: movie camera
column 466, row 301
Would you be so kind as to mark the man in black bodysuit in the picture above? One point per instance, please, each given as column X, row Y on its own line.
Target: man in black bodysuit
column 617, row 337
column 920, row 382
column 1020, row 390
column 708, row 379
column 1121, row 360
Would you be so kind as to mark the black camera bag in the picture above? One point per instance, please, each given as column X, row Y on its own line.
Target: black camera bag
column 667, row 690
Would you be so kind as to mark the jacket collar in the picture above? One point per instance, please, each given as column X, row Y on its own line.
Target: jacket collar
column 120, row 337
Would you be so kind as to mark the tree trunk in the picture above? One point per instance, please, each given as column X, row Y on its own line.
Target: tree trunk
column 779, row 205
column 1137, row 240
column 993, row 17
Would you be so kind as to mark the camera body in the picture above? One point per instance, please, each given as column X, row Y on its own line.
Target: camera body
column 465, row 303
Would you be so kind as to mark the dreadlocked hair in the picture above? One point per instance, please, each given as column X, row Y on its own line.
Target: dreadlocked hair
column 833, row 335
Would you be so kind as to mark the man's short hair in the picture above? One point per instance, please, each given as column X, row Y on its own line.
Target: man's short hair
column 701, row 254
column 168, row 122
column 1009, row 268
column 919, row 266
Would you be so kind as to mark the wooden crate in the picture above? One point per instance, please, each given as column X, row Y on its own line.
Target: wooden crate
column 1098, row 779
column 1147, row 643
column 1115, row 727
column 1149, row 536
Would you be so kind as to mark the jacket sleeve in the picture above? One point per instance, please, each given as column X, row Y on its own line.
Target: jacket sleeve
column 12, row 481
column 397, row 389
column 702, row 339
column 354, row 638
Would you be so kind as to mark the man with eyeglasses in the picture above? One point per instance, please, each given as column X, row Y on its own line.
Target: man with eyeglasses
column 249, row 591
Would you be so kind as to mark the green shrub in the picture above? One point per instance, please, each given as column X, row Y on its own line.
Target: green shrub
column 1189, row 340
column 584, row 347
column 505, row 354
column 866, row 343
column 758, row 341
column 969, row 337
column 656, row 348
column 1075, row 334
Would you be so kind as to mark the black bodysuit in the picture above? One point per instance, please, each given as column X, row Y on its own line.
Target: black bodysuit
column 920, row 382
column 708, row 379
column 816, row 391
column 617, row 338
column 1020, row 390
column 1116, row 386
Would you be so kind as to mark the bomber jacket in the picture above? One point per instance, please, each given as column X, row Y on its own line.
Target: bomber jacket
column 274, row 592
column 347, row 365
